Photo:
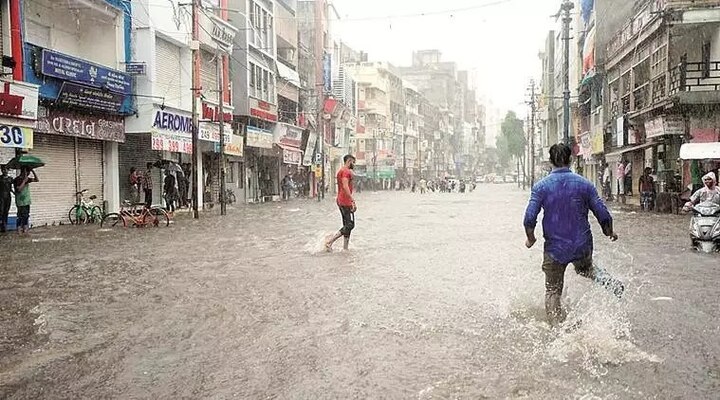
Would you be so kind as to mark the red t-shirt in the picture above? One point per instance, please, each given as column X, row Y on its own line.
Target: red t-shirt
column 342, row 198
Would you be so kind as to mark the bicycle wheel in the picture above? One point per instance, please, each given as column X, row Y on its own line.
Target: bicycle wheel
column 113, row 220
column 96, row 215
column 161, row 217
column 77, row 215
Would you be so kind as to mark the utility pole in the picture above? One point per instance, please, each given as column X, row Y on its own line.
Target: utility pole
column 533, row 110
column 566, row 7
column 195, row 83
column 221, row 119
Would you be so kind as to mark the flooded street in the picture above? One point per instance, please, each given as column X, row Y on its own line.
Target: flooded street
column 437, row 298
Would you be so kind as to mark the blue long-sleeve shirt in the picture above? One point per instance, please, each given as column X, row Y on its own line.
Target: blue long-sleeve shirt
column 565, row 199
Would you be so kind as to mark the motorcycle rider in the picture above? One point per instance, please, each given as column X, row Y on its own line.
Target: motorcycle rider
column 710, row 192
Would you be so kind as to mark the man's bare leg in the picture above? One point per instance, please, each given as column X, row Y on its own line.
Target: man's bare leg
column 346, row 242
column 331, row 241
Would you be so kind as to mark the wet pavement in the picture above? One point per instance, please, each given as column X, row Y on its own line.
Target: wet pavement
column 437, row 298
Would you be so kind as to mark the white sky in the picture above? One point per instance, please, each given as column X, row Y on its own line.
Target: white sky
column 498, row 43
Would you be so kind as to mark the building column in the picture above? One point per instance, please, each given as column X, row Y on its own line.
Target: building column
column 111, row 190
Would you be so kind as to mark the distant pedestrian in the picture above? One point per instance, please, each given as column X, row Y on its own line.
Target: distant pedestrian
column 147, row 185
column 646, row 187
column 22, row 198
column 170, row 191
column 345, row 202
column 286, row 185
column 134, row 182
column 565, row 199
column 6, row 184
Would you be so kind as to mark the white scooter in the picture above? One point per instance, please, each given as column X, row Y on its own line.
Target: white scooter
column 705, row 227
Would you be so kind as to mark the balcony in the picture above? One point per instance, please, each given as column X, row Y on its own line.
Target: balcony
column 696, row 82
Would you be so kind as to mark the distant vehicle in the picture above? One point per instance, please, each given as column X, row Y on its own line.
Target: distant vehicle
column 510, row 179
column 479, row 179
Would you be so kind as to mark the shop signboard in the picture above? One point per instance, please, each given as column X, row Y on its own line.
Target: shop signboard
column 172, row 131
column 216, row 32
column 136, row 68
column 598, row 141
column 292, row 157
column 71, row 123
column 19, row 137
column 263, row 110
column 620, row 131
column 69, row 68
column 234, row 147
column 210, row 132
column 309, row 149
column 260, row 138
column 19, row 102
column 74, row 95
column 288, row 135
column 665, row 125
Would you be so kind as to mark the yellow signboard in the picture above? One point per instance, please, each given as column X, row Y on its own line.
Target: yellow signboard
column 16, row 136
column 598, row 142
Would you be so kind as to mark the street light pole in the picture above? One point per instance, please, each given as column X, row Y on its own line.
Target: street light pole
column 221, row 120
column 195, row 83
column 566, row 7
column 532, row 132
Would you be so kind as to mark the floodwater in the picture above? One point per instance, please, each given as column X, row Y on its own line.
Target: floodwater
column 437, row 298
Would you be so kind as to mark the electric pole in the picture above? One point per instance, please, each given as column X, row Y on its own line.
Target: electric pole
column 533, row 110
column 566, row 7
column 221, row 119
column 195, row 46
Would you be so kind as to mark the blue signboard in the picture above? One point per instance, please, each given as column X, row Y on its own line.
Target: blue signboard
column 81, row 96
column 65, row 67
column 135, row 68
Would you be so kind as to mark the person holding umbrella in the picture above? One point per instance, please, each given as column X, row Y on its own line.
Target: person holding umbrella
column 6, row 183
column 22, row 198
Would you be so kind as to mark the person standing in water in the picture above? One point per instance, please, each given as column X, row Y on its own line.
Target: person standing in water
column 345, row 202
column 566, row 198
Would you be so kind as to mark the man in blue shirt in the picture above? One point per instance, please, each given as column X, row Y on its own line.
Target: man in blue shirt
column 565, row 199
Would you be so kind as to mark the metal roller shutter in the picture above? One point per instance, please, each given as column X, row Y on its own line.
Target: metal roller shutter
column 168, row 72
column 54, row 195
column 90, row 168
column 208, row 75
column 137, row 152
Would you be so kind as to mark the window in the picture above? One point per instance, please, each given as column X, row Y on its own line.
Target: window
column 253, row 81
column 706, row 60
column 262, row 84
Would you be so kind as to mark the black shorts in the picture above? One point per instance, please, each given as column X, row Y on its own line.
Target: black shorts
column 348, row 220
column 23, row 216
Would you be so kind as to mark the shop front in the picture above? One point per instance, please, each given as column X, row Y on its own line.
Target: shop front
column 289, row 140
column 209, row 141
column 234, row 165
column 79, row 126
column 157, row 135
column 18, row 115
column 263, row 161
column 79, row 154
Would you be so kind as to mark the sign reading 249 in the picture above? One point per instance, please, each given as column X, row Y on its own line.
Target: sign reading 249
column 16, row 136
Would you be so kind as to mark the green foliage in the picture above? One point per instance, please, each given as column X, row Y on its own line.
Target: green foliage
column 511, row 142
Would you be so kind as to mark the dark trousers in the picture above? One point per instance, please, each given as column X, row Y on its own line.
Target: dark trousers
column 148, row 197
column 23, row 217
column 348, row 220
column 4, row 212
column 555, row 281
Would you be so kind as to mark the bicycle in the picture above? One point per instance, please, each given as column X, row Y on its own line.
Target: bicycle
column 83, row 211
column 140, row 218
column 229, row 197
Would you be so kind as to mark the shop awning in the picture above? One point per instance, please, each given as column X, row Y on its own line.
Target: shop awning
column 288, row 74
column 700, row 151
column 630, row 149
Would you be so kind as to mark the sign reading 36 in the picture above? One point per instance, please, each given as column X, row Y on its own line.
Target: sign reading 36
column 16, row 136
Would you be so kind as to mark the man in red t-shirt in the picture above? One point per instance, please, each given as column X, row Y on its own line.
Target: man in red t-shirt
column 345, row 202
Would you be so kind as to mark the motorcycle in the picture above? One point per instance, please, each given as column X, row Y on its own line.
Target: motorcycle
column 705, row 227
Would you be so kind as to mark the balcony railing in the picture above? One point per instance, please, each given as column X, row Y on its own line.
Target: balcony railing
column 695, row 77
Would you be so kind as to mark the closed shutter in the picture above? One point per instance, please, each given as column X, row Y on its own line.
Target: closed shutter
column 208, row 75
column 54, row 195
column 137, row 152
column 168, row 72
column 90, row 168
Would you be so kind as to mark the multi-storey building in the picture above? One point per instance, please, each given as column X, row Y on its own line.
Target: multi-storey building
column 662, row 74
column 76, row 52
column 254, row 79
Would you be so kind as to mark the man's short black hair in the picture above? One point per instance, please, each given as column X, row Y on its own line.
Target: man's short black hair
column 348, row 157
column 560, row 155
column 149, row 165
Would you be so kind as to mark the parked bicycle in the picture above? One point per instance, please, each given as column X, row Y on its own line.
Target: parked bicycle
column 229, row 197
column 139, row 216
column 85, row 211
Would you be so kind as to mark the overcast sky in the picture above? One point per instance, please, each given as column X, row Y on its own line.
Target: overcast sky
column 497, row 40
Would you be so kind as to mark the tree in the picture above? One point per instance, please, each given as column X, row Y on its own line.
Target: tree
column 511, row 142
